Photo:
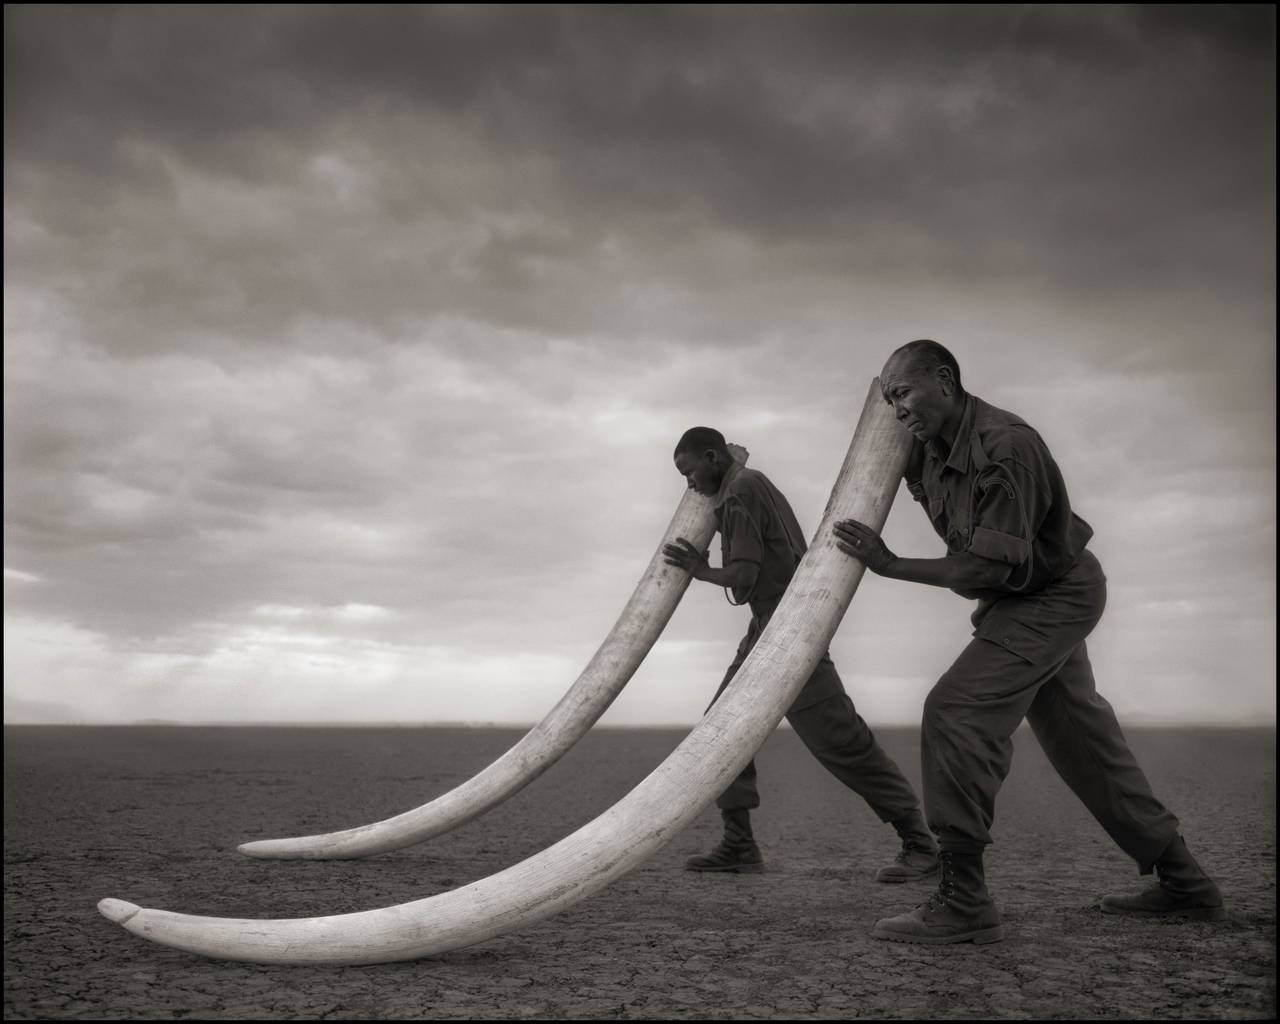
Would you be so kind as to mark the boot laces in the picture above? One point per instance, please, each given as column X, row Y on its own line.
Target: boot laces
column 942, row 896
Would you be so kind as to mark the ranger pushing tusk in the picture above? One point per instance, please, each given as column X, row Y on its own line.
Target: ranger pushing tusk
column 761, row 544
column 996, row 497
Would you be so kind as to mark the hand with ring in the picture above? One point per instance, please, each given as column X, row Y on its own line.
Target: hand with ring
column 863, row 543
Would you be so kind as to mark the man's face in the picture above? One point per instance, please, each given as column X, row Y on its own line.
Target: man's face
column 924, row 402
column 703, row 471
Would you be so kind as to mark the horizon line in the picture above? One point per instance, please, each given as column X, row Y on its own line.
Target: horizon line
column 1143, row 722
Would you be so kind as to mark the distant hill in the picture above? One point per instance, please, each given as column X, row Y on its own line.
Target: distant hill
column 40, row 712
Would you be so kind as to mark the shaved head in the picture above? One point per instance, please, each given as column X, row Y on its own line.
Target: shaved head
column 921, row 381
column 702, row 457
column 924, row 356
column 701, row 439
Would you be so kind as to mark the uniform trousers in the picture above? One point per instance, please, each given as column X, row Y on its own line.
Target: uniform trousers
column 827, row 723
column 1028, row 660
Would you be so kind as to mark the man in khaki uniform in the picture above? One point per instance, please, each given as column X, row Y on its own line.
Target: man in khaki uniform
column 995, row 496
column 761, row 544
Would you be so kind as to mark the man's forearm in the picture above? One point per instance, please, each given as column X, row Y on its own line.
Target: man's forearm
column 958, row 572
column 735, row 575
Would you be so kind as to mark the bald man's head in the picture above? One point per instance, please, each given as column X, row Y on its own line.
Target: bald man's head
column 925, row 356
column 921, row 381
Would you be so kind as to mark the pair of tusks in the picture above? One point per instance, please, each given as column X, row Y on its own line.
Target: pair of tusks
column 636, row 826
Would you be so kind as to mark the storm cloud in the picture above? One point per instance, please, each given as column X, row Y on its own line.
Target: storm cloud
column 345, row 346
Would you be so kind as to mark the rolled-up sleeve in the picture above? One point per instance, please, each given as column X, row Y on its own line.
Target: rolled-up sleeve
column 742, row 538
column 1007, row 512
column 999, row 547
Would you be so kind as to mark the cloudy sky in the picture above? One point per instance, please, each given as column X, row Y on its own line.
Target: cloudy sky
column 345, row 348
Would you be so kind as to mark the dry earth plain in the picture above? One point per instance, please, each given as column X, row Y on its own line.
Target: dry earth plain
column 153, row 815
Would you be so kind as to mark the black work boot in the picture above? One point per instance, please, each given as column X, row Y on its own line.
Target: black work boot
column 918, row 857
column 1184, row 890
column 737, row 851
column 960, row 911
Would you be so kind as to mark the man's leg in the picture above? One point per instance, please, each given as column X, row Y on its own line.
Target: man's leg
column 969, row 720
column 967, row 747
column 1020, row 643
column 737, row 850
column 844, row 744
column 1079, row 733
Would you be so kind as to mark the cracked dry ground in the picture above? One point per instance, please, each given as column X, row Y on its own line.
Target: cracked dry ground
column 153, row 815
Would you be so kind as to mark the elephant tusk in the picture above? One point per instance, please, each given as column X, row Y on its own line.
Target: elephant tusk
column 641, row 623
column 637, row 825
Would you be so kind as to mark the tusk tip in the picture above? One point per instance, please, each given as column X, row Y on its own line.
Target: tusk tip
column 119, row 911
column 264, row 849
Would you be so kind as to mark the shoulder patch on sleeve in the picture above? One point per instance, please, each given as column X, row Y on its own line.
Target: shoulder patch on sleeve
column 998, row 479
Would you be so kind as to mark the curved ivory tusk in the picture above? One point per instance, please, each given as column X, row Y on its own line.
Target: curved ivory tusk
column 642, row 821
column 642, row 621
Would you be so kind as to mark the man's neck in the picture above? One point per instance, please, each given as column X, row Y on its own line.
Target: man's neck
column 947, row 436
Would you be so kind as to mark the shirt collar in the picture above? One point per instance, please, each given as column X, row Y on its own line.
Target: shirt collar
column 722, row 495
column 958, row 459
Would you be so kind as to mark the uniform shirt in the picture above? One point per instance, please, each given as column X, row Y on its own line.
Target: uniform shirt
column 757, row 525
column 998, row 494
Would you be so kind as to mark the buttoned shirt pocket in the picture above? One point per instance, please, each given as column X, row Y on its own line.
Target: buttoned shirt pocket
column 958, row 538
column 938, row 514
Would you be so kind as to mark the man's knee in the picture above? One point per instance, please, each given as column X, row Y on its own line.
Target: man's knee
column 942, row 707
column 833, row 726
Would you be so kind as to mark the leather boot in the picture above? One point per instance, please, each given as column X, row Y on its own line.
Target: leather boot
column 918, row 857
column 1184, row 890
column 960, row 911
column 737, row 851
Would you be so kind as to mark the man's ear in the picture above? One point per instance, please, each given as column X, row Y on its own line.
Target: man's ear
column 946, row 380
column 712, row 456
